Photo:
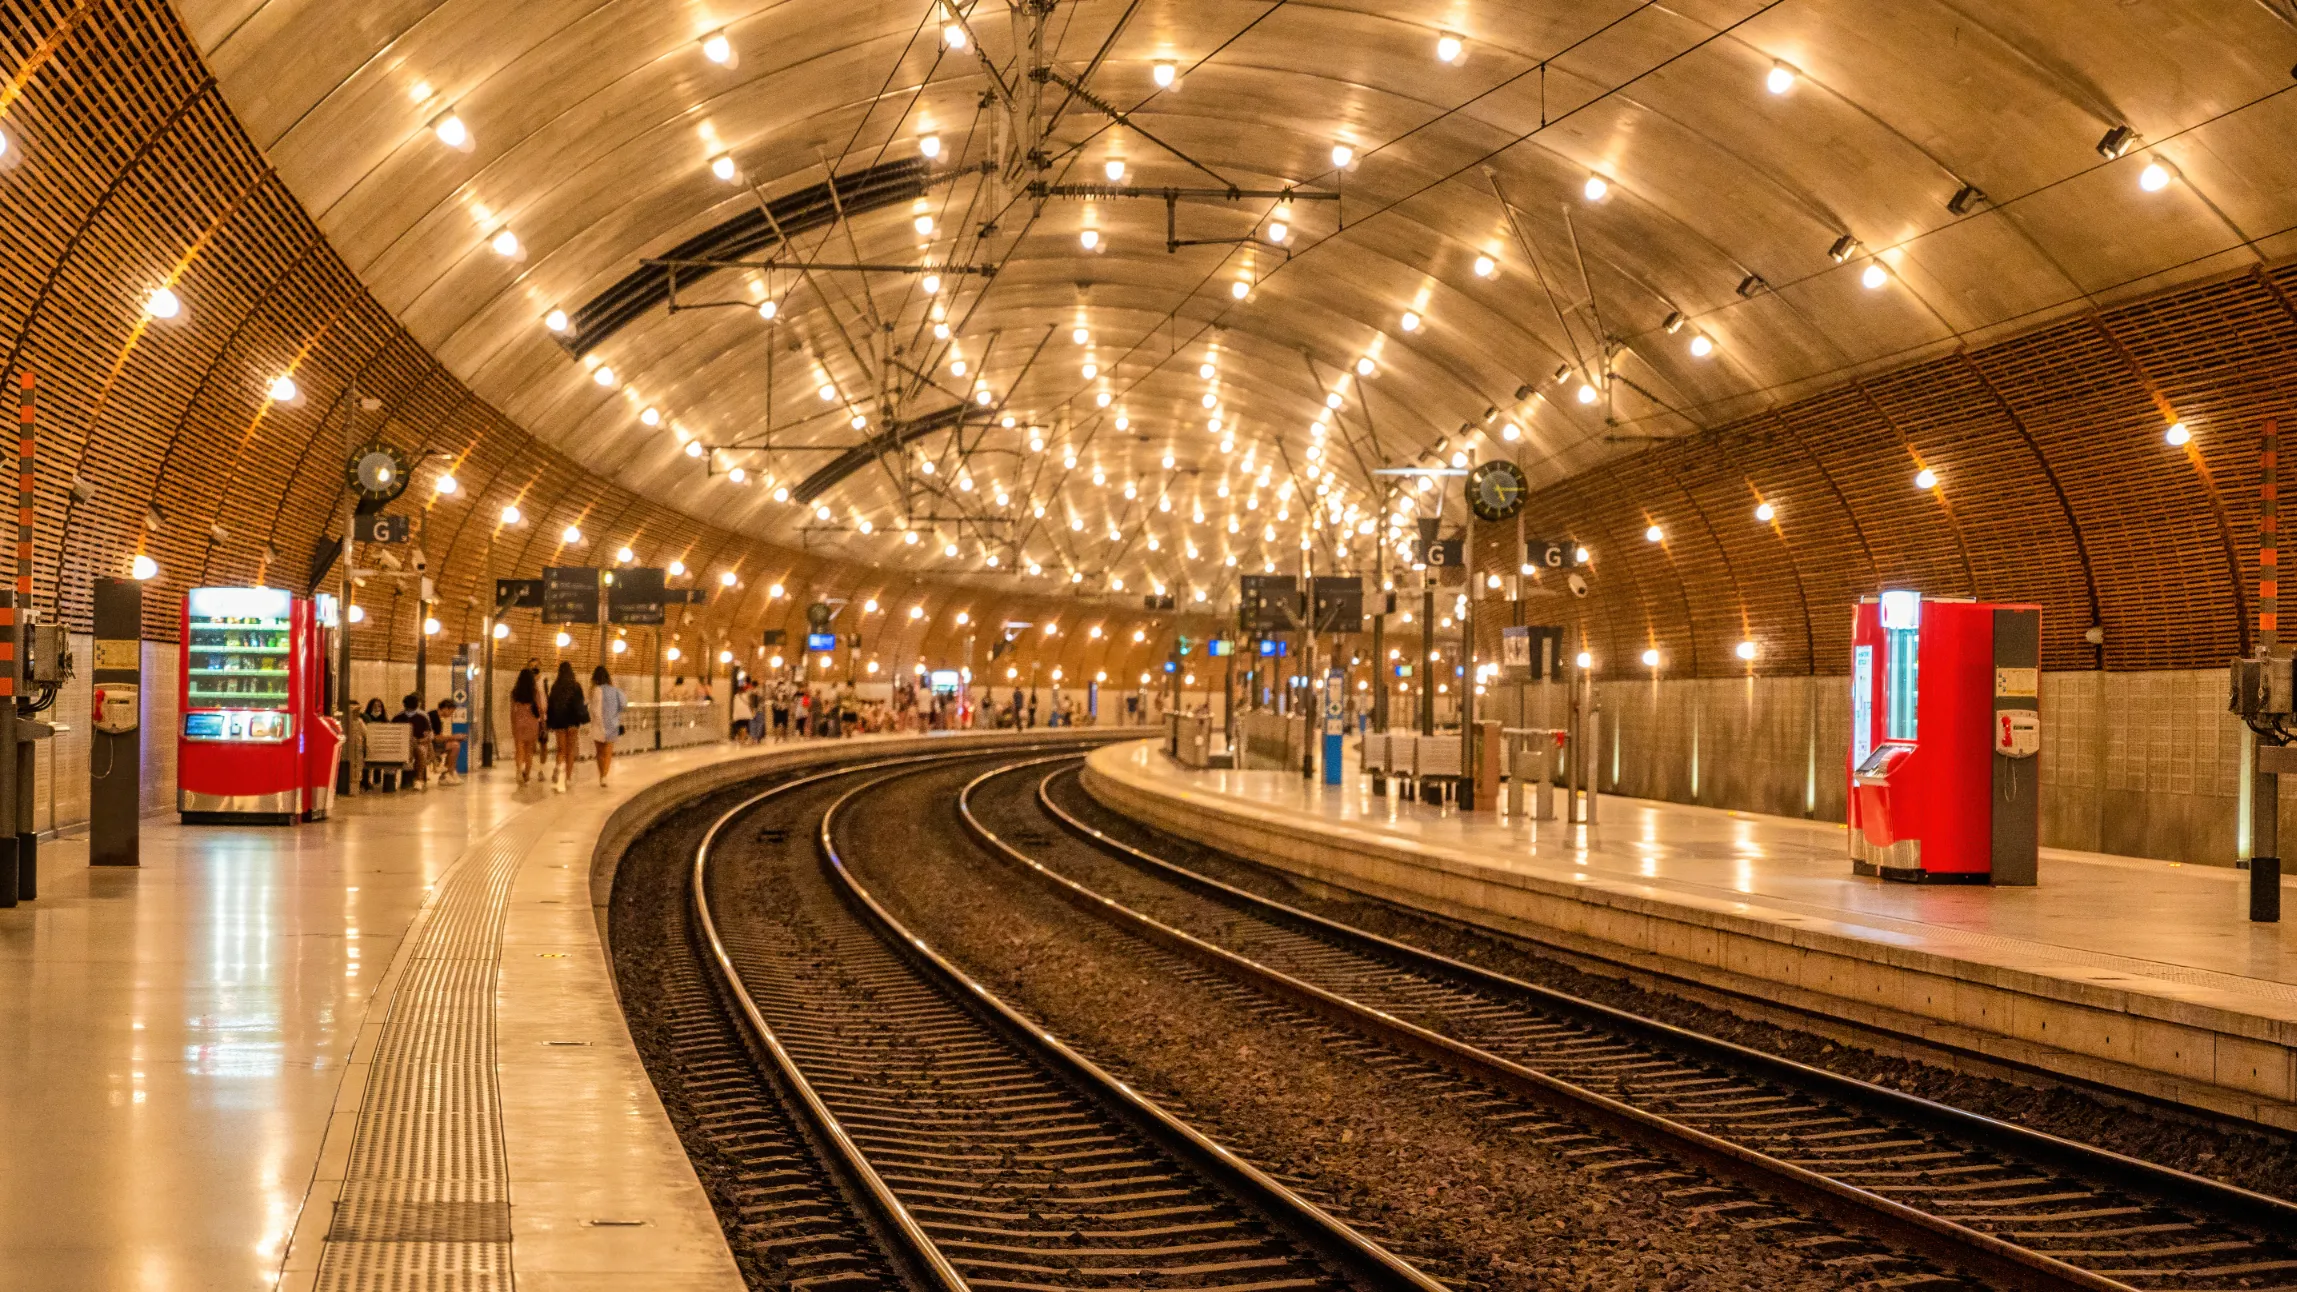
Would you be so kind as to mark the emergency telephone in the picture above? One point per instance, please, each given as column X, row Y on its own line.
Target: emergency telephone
column 116, row 707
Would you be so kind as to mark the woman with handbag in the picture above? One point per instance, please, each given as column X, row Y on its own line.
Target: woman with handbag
column 605, row 719
column 566, row 712
column 526, row 719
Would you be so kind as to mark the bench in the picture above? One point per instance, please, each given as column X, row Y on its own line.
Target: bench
column 390, row 749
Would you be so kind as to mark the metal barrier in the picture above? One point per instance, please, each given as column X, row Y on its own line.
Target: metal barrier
column 1534, row 759
column 679, row 722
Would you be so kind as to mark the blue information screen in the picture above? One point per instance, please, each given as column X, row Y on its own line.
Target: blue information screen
column 821, row 641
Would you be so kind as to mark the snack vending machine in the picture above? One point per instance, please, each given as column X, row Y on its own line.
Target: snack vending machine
column 251, row 696
column 1945, row 726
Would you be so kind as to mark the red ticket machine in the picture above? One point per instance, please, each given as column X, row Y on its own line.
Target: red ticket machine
column 249, row 696
column 1945, row 726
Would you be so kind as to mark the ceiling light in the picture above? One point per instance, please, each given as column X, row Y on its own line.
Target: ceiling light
column 782, row 494
column 722, row 166
column 1103, row 399
column 1241, row 288
column 1089, row 238
column 625, row 555
column 1332, row 400
column 1511, row 432
column 163, row 304
column 953, row 35
column 693, row 448
column 858, row 422
column 718, row 49
column 570, row 535
column 941, row 331
column 924, row 226
column 603, row 375
column 1926, row 479
column 451, row 131
column 1364, row 366
column 650, row 415
column 929, row 145
column 1278, row 231
column 1651, row 657
column 1206, row 370
column 2154, row 178
column 981, row 397
column 511, row 514
column 767, row 310
column 1744, row 650
column 727, row 579
column 1411, row 321
column 1780, row 80
column 1448, row 49
column 556, row 321
column 1595, row 187
column 1485, row 266
column 1082, row 336
column 447, row 484
column 827, row 392
column 1875, row 276
column 957, row 366
column 677, row 569
column 1654, row 534
column 1587, row 393
column 1764, row 512
column 738, row 476
column 1701, row 346
column 1114, row 169
column 1342, row 154
column 2178, row 435
column 1091, row 370
column 283, row 389
column 931, row 283
column 505, row 243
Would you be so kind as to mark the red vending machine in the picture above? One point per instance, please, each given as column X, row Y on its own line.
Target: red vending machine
column 250, row 699
column 1945, row 724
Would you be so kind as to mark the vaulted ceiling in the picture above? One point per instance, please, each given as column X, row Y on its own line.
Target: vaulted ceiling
column 1954, row 159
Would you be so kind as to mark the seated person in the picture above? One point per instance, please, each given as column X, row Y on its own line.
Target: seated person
column 418, row 738
column 446, row 746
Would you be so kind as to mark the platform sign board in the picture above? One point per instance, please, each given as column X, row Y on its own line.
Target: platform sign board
column 375, row 527
column 775, row 637
column 1338, row 604
column 821, row 643
column 1440, row 553
column 1269, row 603
column 570, row 594
column 1532, row 654
column 1550, row 553
column 635, row 597
column 518, row 594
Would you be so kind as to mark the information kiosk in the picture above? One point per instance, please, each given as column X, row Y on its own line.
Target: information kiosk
column 1945, row 723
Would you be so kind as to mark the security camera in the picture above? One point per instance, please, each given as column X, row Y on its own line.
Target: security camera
column 416, row 561
column 84, row 490
column 1578, row 585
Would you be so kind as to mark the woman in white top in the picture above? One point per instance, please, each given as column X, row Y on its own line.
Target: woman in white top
column 745, row 708
column 605, row 719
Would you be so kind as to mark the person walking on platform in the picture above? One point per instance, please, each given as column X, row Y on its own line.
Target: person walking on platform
column 526, row 719
column 565, row 712
column 605, row 720
column 744, row 707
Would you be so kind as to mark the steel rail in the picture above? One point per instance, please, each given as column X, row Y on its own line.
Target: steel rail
column 1933, row 1235
column 1318, row 1229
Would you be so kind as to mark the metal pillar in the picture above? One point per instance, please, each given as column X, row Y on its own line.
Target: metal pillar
column 1468, row 658
column 2265, row 787
column 19, row 864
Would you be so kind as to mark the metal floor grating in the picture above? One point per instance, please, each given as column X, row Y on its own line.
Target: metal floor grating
column 425, row 1205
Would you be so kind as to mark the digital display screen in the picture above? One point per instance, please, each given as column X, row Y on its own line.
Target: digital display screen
column 821, row 641
column 1268, row 648
column 1218, row 648
column 256, row 727
column 945, row 680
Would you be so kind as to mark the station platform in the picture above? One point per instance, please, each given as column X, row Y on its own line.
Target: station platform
column 330, row 1055
column 2142, row 976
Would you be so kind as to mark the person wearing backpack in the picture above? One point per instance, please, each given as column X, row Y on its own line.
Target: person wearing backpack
column 566, row 713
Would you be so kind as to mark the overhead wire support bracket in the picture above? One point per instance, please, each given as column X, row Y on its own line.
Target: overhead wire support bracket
column 1172, row 198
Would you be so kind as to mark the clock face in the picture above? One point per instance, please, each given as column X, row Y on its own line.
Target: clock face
column 1496, row 491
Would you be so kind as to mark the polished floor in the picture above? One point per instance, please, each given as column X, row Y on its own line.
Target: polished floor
column 181, row 1044
column 2174, row 929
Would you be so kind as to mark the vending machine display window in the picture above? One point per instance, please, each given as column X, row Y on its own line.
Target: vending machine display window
column 237, row 664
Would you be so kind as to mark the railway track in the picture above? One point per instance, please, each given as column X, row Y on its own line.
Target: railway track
column 2008, row 1205
column 968, row 1147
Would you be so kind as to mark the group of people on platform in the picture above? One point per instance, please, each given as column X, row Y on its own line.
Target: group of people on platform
column 562, row 715
column 547, row 721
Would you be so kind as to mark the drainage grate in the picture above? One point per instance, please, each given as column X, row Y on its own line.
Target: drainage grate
column 425, row 1205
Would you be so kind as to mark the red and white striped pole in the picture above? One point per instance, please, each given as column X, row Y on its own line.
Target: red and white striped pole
column 2265, row 789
